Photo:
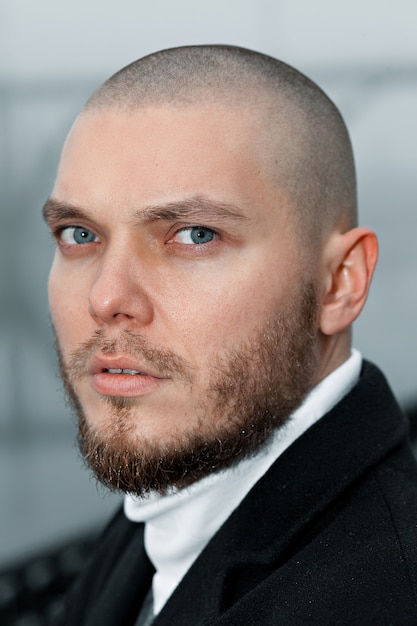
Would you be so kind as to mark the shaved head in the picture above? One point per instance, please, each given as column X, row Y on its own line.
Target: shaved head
column 208, row 264
column 304, row 142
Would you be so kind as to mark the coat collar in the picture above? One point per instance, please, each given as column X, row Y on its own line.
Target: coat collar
column 323, row 463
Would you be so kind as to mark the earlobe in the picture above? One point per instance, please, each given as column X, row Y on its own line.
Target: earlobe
column 350, row 260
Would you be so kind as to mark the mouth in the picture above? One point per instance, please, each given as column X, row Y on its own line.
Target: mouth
column 121, row 376
column 114, row 370
column 119, row 365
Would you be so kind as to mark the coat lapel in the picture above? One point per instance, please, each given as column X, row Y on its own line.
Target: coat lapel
column 121, row 589
column 283, row 507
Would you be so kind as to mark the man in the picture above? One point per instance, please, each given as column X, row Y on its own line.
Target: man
column 208, row 269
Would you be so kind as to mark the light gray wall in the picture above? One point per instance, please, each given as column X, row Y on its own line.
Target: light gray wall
column 52, row 54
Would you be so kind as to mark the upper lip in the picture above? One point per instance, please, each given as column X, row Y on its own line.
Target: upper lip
column 101, row 363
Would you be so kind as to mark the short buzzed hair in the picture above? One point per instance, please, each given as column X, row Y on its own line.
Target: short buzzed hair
column 306, row 142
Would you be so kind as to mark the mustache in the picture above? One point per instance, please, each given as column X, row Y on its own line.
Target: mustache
column 165, row 362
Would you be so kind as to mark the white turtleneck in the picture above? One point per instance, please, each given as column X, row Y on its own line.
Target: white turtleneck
column 179, row 525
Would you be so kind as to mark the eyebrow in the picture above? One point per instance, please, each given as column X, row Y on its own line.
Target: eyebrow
column 195, row 208
column 54, row 211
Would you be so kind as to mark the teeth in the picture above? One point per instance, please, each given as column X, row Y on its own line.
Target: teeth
column 122, row 371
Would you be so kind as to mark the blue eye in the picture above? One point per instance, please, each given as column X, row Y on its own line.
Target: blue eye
column 195, row 235
column 77, row 235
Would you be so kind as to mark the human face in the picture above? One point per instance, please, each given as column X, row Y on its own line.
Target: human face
column 176, row 259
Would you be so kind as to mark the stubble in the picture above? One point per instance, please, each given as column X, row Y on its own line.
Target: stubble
column 252, row 391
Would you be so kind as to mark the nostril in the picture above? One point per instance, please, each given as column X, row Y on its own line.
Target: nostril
column 119, row 297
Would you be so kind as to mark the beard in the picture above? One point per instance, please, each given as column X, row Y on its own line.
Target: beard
column 251, row 391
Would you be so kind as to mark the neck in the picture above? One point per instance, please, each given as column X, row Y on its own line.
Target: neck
column 332, row 351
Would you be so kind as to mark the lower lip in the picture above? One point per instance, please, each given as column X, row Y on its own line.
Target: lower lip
column 127, row 385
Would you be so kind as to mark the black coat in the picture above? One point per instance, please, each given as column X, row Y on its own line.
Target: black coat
column 327, row 536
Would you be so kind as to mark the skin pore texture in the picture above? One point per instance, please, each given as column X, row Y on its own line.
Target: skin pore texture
column 207, row 268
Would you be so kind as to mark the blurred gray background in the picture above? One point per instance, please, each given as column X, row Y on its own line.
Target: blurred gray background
column 52, row 55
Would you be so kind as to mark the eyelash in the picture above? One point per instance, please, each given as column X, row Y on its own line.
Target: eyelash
column 59, row 232
column 197, row 227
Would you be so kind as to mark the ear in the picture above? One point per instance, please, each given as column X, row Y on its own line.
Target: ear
column 349, row 263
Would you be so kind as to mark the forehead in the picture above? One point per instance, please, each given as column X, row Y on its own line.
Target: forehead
column 159, row 154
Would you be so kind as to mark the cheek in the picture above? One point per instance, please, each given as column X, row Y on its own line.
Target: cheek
column 228, row 305
column 67, row 307
column 55, row 295
column 219, row 314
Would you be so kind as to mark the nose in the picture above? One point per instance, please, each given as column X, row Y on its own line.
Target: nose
column 117, row 293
